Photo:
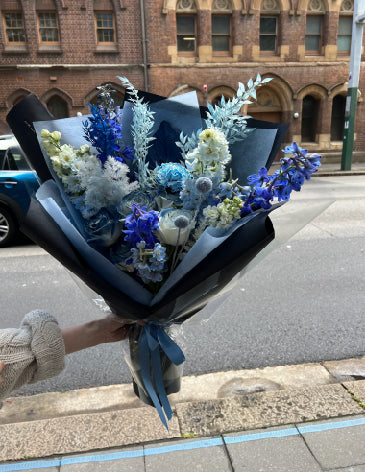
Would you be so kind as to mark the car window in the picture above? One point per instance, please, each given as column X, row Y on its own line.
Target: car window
column 14, row 159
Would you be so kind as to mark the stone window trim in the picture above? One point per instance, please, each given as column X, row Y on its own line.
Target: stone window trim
column 186, row 6
column 222, row 6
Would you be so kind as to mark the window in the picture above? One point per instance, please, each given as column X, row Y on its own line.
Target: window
column 48, row 27
column 14, row 28
column 105, row 29
column 314, row 27
column 221, row 33
column 313, row 34
column 344, row 34
column 268, row 33
column 309, row 118
column 186, row 33
column 338, row 117
column 58, row 107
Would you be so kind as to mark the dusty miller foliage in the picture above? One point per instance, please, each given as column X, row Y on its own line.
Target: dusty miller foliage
column 225, row 116
column 141, row 130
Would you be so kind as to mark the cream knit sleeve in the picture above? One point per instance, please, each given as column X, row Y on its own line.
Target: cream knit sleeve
column 33, row 352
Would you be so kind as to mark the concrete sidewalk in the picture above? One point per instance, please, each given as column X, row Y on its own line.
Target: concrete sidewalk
column 303, row 418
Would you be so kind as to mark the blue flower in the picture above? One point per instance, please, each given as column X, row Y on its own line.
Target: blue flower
column 103, row 131
column 171, row 175
column 141, row 225
column 295, row 149
column 149, row 264
column 260, row 177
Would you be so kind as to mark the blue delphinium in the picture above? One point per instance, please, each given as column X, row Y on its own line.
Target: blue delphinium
column 141, row 225
column 103, row 130
column 296, row 167
column 149, row 264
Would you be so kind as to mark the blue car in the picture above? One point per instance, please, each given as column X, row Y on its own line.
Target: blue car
column 17, row 183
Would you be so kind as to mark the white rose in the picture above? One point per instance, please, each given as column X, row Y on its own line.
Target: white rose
column 168, row 232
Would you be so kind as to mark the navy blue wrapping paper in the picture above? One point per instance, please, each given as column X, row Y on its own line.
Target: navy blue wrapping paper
column 198, row 286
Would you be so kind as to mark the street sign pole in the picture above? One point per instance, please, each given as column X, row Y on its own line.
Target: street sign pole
column 351, row 101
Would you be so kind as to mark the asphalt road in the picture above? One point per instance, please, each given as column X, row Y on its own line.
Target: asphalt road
column 303, row 302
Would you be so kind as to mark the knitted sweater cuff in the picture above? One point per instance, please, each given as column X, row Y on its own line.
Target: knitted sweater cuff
column 46, row 344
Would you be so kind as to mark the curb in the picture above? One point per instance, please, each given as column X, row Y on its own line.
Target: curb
column 52, row 424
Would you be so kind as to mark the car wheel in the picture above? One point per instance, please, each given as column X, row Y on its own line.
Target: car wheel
column 7, row 227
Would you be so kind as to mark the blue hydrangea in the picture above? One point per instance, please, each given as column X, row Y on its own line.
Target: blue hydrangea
column 171, row 175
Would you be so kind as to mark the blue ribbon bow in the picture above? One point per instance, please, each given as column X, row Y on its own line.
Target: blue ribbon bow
column 152, row 339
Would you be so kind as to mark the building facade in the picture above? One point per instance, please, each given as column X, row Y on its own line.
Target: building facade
column 62, row 49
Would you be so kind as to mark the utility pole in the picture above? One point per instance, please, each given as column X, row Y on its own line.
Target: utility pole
column 351, row 101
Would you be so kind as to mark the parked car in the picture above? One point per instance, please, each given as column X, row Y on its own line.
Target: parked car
column 17, row 183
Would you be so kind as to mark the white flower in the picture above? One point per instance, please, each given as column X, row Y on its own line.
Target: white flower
column 168, row 232
column 211, row 154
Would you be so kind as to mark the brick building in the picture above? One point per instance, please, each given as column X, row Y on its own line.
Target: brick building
column 62, row 49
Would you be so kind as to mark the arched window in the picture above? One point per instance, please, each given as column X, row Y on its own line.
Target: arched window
column 217, row 100
column 314, row 27
column 104, row 22
column 58, row 107
column 186, row 27
column 344, row 34
column 338, row 117
column 48, row 27
column 269, row 26
column 309, row 118
column 221, row 27
column 117, row 96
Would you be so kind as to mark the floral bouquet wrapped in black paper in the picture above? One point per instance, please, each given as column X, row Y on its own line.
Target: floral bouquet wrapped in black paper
column 156, row 206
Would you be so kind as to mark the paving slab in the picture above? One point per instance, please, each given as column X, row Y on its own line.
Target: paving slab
column 279, row 454
column 265, row 409
column 80, row 433
column 336, row 448
column 183, row 457
column 357, row 388
column 125, row 460
column 194, row 388
column 346, row 369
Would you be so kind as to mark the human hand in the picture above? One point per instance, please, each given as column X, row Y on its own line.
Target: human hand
column 2, row 365
column 104, row 330
column 112, row 329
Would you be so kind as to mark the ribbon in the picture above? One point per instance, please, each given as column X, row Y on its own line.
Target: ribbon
column 152, row 339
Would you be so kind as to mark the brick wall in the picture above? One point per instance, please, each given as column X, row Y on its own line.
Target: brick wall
column 74, row 68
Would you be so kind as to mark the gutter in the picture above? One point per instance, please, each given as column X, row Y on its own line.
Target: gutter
column 144, row 46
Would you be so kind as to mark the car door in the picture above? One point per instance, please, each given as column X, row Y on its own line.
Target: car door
column 17, row 181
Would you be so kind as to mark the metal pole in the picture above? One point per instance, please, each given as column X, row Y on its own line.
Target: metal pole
column 351, row 101
column 144, row 46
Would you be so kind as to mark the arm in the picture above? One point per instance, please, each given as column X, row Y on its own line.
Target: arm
column 106, row 330
column 36, row 351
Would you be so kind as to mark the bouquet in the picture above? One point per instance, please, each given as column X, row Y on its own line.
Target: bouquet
column 156, row 206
